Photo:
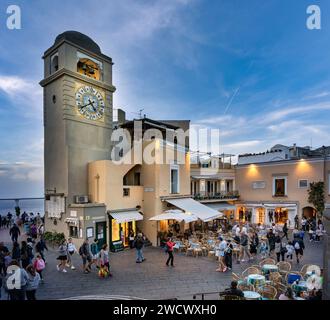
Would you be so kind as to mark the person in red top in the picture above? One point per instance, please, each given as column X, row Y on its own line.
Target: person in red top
column 169, row 248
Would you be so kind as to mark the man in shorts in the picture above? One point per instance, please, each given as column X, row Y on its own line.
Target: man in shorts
column 86, row 256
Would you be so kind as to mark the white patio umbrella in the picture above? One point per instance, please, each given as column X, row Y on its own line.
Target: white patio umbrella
column 174, row 215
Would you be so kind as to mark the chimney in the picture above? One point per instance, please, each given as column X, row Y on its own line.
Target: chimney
column 121, row 116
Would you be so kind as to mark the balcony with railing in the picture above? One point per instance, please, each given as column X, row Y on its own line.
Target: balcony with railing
column 216, row 196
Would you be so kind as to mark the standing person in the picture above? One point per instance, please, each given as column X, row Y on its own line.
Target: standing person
column 131, row 239
column 25, row 258
column 62, row 250
column 285, row 230
column 279, row 250
column 169, row 248
column 71, row 250
column 229, row 254
column 40, row 248
column 303, row 223
column 290, row 250
column 296, row 222
column 254, row 244
column 16, row 292
column 299, row 247
column 39, row 265
column 16, row 252
column 32, row 282
column 3, row 253
column 139, row 243
column 263, row 249
column 41, row 230
column 270, row 216
column 86, row 257
column 104, row 259
column 244, row 247
column 271, row 241
column 34, row 232
column 221, row 255
column 14, row 232
column 95, row 252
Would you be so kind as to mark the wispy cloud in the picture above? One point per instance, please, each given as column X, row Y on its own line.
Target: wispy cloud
column 25, row 94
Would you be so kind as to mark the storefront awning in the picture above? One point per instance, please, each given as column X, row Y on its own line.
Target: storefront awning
column 73, row 221
column 193, row 207
column 221, row 206
column 280, row 205
column 126, row 216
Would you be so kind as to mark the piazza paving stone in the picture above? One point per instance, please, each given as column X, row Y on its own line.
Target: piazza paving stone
column 151, row 279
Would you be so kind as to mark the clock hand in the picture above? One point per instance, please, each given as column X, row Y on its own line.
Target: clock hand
column 92, row 104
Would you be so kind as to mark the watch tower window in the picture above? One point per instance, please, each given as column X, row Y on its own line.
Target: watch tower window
column 54, row 63
column 89, row 66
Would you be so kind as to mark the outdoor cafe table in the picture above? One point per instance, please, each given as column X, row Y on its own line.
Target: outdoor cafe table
column 267, row 268
column 251, row 295
column 256, row 280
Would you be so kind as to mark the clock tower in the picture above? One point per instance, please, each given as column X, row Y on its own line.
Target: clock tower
column 78, row 91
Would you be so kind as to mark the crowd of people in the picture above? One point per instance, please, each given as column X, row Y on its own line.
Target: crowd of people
column 259, row 241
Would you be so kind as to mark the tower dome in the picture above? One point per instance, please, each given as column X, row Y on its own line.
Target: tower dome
column 79, row 39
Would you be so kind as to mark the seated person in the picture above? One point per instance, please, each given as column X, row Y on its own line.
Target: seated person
column 233, row 291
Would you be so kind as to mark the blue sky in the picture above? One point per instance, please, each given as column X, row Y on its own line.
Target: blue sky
column 249, row 68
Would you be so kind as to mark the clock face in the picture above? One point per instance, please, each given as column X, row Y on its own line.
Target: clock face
column 90, row 103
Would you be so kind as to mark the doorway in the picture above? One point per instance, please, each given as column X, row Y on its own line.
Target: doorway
column 101, row 233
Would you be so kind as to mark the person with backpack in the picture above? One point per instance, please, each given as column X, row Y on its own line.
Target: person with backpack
column 86, row 257
column 71, row 251
column 105, row 261
column 39, row 265
column 41, row 247
column 16, row 291
column 169, row 249
column 63, row 257
column 30, row 249
column 95, row 252
column 299, row 247
column 244, row 248
column 32, row 282
column 34, row 232
column 139, row 243
column 279, row 249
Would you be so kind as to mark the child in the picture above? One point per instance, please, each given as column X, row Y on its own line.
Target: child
column 290, row 251
column 39, row 266
column 263, row 249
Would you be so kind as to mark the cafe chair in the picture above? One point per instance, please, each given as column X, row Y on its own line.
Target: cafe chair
column 250, row 270
column 304, row 269
column 236, row 277
column 275, row 277
column 268, row 292
column 266, row 261
column 245, row 287
column 284, row 267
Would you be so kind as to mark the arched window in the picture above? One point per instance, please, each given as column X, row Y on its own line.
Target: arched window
column 54, row 63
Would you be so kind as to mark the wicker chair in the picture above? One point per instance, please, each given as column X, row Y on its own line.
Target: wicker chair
column 275, row 277
column 266, row 261
column 284, row 267
column 236, row 277
column 250, row 270
column 268, row 292
column 304, row 269
column 245, row 287
column 230, row 297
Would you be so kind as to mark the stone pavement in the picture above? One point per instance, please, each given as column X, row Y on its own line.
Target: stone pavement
column 151, row 279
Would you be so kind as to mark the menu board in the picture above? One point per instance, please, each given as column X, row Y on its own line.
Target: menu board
column 55, row 206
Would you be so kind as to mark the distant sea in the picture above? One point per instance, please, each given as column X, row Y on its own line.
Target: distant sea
column 34, row 206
